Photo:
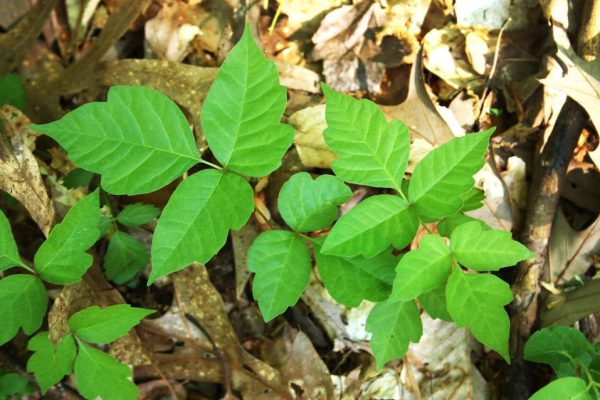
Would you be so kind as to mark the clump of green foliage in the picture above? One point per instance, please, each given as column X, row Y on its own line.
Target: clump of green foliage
column 575, row 361
column 138, row 141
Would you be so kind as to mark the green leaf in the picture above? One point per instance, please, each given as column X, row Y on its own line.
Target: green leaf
column 370, row 151
column 79, row 177
column 372, row 226
column 124, row 258
column 62, row 258
column 137, row 214
column 569, row 388
column 351, row 280
column 105, row 325
column 434, row 303
column 242, row 112
column 308, row 205
column 447, row 225
column 9, row 254
column 394, row 324
column 477, row 301
column 282, row 265
column 50, row 363
column 12, row 384
column 195, row 223
column 483, row 249
column 472, row 200
column 423, row 269
column 23, row 304
column 12, row 91
column 138, row 140
column 557, row 346
column 100, row 375
column 441, row 179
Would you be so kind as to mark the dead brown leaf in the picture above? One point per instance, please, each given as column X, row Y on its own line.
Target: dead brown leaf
column 16, row 42
column 253, row 378
column 346, row 51
column 418, row 111
column 19, row 172
column 571, row 252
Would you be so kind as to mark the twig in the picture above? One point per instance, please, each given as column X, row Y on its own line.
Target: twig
column 488, row 82
column 218, row 353
column 543, row 202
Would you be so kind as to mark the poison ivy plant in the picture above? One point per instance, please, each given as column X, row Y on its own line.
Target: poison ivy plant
column 137, row 214
column 14, row 386
column 139, row 141
column 98, row 375
column 9, row 255
column 122, row 139
column 12, row 91
column 62, row 258
column 574, row 360
column 23, row 304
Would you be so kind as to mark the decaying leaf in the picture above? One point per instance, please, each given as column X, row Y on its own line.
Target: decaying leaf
column 443, row 54
column 303, row 12
column 250, row 376
column 492, row 14
column 241, row 241
column 581, row 82
column 347, row 52
column 418, row 111
column 15, row 43
column 170, row 32
column 442, row 364
column 19, row 171
column 506, row 194
column 310, row 124
column 305, row 369
column 571, row 252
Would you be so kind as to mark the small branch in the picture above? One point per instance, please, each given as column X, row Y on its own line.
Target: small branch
column 494, row 65
column 543, row 202
column 218, row 353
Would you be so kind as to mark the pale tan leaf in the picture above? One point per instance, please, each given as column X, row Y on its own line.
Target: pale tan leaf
column 418, row 111
column 309, row 124
column 571, row 252
column 19, row 171
column 305, row 368
column 579, row 83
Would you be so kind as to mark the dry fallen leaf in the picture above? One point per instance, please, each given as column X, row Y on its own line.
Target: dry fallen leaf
column 305, row 369
column 570, row 252
column 309, row 124
column 492, row 14
column 346, row 51
column 19, row 171
column 418, row 111
column 170, row 33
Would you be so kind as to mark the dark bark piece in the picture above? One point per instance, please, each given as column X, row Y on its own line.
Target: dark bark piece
column 543, row 202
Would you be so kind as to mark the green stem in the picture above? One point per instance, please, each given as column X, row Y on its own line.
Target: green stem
column 203, row 161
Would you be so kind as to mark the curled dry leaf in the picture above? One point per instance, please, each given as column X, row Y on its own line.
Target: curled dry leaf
column 170, row 33
column 492, row 14
column 309, row 124
column 506, row 194
column 346, row 51
column 442, row 364
column 443, row 54
column 571, row 252
column 241, row 241
column 253, row 378
column 305, row 369
column 19, row 171
column 418, row 112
